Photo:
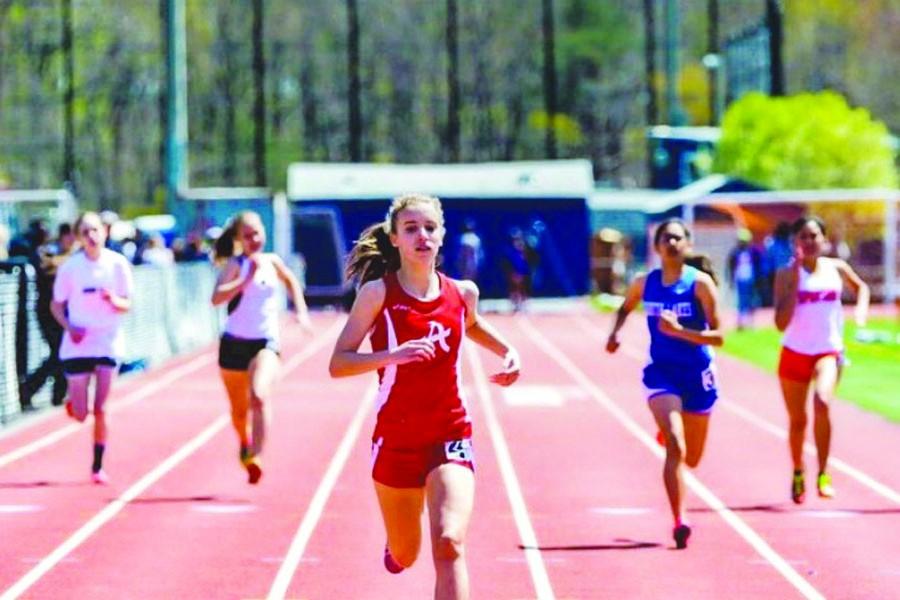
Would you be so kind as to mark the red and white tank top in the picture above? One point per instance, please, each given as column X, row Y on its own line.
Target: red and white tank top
column 817, row 325
column 421, row 403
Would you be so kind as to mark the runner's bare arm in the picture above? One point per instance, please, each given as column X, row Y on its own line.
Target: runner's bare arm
column 632, row 299
column 294, row 290
column 484, row 334
column 859, row 287
column 229, row 283
column 346, row 360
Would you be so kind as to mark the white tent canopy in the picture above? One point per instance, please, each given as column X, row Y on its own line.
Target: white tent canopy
column 531, row 179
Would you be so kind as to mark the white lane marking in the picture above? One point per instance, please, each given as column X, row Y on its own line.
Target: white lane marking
column 152, row 386
column 533, row 395
column 108, row 512
column 14, row 509
column 622, row 511
column 536, row 562
column 320, row 498
column 111, row 510
column 779, row 432
column 739, row 525
column 224, row 509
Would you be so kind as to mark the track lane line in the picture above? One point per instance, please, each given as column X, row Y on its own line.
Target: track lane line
column 112, row 509
column 809, row 448
column 145, row 482
column 756, row 541
column 527, row 535
column 151, row 387
column 320, row 498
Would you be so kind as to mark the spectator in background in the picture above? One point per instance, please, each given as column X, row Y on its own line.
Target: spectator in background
column 193, row 250
column 471, row 254
column 155, row 253
column 777, row 254
column 744, row 271
column 517, row 266
column 52, row 256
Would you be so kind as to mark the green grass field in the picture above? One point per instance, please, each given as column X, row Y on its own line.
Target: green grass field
column 871, row 380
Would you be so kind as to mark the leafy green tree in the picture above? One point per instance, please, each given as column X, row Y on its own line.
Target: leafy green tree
column 806, row 141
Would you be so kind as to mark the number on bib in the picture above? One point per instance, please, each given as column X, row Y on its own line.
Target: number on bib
column 458, row 450
column 709, row 379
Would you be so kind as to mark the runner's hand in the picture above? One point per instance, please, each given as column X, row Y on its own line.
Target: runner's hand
column 510, row 373
column 612, row 343
column 77, row 333
column 668, row 323
column 305, row 323
column 420, row 350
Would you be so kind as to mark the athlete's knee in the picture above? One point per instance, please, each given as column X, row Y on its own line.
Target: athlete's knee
column 693, row 459
column 820, row 405
column 798, row 422
column 448, row 546
column 674, row 449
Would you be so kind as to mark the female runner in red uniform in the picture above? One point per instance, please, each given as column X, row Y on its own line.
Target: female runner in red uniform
column 422, row 449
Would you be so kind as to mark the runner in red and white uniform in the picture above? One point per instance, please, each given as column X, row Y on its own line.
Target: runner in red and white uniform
column 92, row 290
column 808, row 310
column 422, row 449
column 249, row 350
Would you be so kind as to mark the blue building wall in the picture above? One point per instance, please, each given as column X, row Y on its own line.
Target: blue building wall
column 559, row 228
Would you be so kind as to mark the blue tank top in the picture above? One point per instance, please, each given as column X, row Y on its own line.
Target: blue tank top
column 680, row 298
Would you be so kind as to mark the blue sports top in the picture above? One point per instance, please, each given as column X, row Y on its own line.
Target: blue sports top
column 680, row 298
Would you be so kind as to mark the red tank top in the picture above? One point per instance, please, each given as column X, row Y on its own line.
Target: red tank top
column 421, row 403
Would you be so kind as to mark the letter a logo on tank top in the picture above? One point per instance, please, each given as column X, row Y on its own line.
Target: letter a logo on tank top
column 438, row 334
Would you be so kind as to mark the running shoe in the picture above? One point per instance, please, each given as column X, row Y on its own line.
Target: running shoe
column 69, row 410
column 826, row 490
column 99, row 477
column 390, row 563
column 798, row 488
column 251, row 463
column 660, row 438
column 681, row 534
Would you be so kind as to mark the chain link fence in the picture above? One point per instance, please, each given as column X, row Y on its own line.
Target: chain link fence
column 171, row 315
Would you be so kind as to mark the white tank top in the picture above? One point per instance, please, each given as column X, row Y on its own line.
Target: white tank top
column 256, row 315
column 817, row 325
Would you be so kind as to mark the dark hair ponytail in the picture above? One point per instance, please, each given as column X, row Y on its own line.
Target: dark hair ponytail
column 702, row 262
column 372, row 255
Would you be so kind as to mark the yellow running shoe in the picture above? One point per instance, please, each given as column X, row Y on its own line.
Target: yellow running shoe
column 826, row 490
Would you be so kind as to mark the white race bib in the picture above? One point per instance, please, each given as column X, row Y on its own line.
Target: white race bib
column 458, row 450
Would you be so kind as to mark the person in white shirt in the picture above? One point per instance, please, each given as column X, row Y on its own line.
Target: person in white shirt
column 249, row 349
column 808, row 310
column 92, row 290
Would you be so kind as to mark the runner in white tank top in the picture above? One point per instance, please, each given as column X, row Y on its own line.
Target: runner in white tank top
column 250, row 284
column 91, row 293
column 808, row 309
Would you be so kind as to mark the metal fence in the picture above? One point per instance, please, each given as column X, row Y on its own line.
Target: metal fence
column 171, row 315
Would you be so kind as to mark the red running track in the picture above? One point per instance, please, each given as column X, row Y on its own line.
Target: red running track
column 569, row 503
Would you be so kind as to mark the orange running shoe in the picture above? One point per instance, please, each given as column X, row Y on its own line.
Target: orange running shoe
column 251, row 463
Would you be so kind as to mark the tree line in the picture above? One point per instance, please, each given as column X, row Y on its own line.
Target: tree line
column 270, row 82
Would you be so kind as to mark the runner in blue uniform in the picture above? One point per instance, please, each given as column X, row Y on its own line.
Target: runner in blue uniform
column 683, row 319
